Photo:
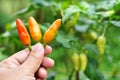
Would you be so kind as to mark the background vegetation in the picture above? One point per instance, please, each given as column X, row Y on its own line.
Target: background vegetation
column 80, row 18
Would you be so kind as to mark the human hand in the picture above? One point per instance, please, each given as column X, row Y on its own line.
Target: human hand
column 26, row 65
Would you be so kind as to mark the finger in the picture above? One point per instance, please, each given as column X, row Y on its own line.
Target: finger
column 19, row 57
column 42, row 73
column 16, row 59
column 48, row 50
column 34, row 60
column 47, row 62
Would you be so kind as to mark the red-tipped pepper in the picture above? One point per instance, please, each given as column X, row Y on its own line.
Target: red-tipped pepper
column 23, row 33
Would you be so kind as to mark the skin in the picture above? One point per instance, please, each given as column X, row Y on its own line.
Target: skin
column 26, row 65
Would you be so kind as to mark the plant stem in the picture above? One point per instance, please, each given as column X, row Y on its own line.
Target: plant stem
column 71, row 74
column 99, row 60
column 68, row 69
column 105, row 29
column 44, row 45
column 30, row 48
column 77, row 75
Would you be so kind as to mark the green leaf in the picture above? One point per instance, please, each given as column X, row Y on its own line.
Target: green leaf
column 81, row 28
column 28, row 9
column 92, row 70
column 91, row 10
column 61, row 76
column 69, row 12
column 51, row 76
column 105, row 5
column 117, row 6
column 43, row 27
column 41, row 3
column 83, row 76
column 6, row 34
column 115, row 23
column 92, row 48
column 65, row 40
column 83, row 5
column 2, row 56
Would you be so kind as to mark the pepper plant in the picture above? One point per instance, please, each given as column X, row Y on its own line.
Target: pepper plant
column 87, row 41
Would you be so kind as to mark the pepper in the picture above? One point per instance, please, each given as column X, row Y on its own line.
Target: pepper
column 70, row 23
column 83, row 61
column 34, row 29
column 110, row 13
column 50, row 33
column 93, row 35
column 23, row 33
column 101, row 42
column 75, row 60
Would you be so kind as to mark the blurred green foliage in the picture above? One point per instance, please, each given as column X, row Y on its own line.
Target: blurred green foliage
column 79, row 19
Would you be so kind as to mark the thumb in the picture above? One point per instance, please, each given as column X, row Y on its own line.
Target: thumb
column 34, row 60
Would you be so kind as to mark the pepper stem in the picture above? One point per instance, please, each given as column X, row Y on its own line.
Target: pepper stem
column 105, row 29
column 44, row 44
column 77, row 75
column 30, row 47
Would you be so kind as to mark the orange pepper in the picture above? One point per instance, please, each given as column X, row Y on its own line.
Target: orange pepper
column 50, row 33
column 34, row 29
column 23, row 33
